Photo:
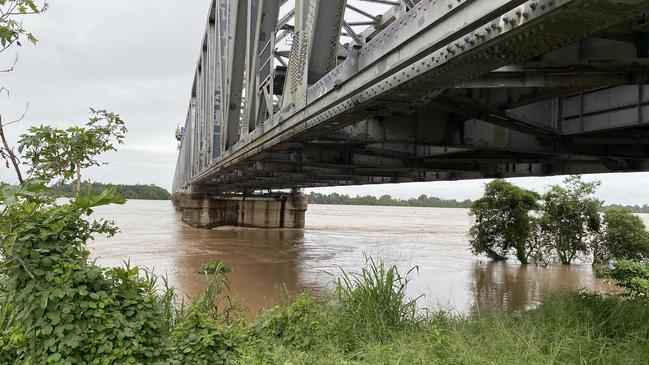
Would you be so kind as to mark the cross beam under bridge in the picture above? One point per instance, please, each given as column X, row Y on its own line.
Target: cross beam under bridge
column 310, row 93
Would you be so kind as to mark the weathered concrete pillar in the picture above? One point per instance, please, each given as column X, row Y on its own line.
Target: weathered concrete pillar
column 263, row 211
column 295, row 211
column 202, row 211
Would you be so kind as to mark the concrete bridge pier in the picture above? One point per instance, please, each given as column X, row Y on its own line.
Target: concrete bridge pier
column 258, row 211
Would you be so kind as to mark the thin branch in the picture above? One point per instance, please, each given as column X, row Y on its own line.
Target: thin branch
column 24, row 265
column 22, row 116
column 12, row 66
column 10, row 152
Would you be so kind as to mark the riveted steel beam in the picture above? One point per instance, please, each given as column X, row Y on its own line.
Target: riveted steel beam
column 488, row 64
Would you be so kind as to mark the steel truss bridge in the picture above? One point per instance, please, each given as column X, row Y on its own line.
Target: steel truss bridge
column 311, row 93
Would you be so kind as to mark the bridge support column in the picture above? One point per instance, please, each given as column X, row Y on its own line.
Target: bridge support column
column 259, row 211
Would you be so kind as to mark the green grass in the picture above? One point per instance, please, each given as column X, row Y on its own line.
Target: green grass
column 369, row 320
column 567, row 329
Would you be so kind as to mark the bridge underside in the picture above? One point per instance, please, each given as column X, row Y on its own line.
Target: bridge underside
column 437, row 90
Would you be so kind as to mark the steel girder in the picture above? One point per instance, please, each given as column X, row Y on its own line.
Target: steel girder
column 439, row 54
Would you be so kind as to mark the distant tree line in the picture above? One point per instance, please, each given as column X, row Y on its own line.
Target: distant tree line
column 387, row 200
column 632, row 208
column 144, row 192
column 426, row 201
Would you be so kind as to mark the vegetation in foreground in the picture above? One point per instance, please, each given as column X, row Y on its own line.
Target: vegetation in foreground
column 569, row 329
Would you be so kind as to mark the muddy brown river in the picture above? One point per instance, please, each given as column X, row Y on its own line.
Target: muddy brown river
column 266, row 264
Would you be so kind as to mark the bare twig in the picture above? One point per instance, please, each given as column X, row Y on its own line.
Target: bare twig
column 22, row 116
column 10, row 153
column 12, row 66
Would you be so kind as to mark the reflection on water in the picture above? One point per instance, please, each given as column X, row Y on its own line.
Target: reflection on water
column 264, row 262
column 498, row 285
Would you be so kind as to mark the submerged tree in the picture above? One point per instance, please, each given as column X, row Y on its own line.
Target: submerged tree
column 570, row 218
column 624, row 237
column 503, row 221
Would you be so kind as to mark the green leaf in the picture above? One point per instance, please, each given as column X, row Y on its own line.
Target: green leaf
column 108, row 196
column 10, row 195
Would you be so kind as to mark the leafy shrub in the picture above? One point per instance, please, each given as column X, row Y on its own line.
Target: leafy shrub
column 60, row 308
column 201, row 339
column 630, row 275
column 66, row 309
column 301, row 324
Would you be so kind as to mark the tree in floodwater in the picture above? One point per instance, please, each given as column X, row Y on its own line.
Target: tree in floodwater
column 570, row 218
column 503, row 221
column 624, row 236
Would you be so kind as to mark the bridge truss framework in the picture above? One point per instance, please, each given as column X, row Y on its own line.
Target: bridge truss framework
column 310, row 93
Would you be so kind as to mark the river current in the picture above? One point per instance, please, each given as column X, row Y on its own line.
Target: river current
column 267, row 264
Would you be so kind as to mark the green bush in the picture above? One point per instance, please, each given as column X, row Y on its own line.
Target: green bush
column 201, row 339
column 630, row 275
column 67, row 310
column 302, row 324
column 60, row 308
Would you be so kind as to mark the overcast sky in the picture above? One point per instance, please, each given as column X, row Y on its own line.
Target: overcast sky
column 137, row 58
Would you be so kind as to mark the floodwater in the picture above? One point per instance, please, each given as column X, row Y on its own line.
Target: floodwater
column 267, row 264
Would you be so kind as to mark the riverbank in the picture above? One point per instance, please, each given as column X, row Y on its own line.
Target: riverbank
column 565, row 329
